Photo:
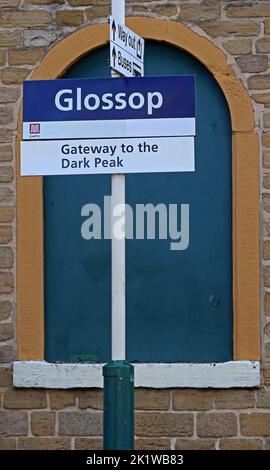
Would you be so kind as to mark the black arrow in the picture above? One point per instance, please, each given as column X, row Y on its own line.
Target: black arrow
column 113, row 29
column 137, row 70
column 114, row 56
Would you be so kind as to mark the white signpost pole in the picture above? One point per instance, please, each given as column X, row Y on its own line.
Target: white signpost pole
column 118, row 245
column 118, row 403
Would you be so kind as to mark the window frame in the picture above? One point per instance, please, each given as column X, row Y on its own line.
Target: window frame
column 245, row 184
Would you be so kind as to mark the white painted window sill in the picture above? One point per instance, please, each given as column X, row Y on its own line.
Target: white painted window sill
column 41, row 374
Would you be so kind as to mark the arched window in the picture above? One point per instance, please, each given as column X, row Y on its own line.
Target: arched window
column 198, row 305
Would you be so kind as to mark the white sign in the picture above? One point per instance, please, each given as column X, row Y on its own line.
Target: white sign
column 95, row 156
column 126, row 50
column 125, row 38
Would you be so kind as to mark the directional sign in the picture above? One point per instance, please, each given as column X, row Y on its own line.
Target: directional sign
column 124, row 63
column 125, row 38
column 127, row 125
column 126, row 50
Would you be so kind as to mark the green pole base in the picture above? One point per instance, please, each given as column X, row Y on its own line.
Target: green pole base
column 118, row 416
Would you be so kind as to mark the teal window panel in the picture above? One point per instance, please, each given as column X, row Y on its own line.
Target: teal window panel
column 179, row 303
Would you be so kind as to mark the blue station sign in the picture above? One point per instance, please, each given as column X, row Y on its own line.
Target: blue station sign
column 134, row 107
column 89, row 126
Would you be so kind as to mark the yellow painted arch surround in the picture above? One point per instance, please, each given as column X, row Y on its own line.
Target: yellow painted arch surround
column 30, row 249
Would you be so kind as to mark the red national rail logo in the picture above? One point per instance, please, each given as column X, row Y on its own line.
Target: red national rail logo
column 34, row 128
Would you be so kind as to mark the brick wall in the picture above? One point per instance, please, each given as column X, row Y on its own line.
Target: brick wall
column 180, row 419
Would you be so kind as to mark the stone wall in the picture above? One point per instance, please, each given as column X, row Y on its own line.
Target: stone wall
column 181, row 419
